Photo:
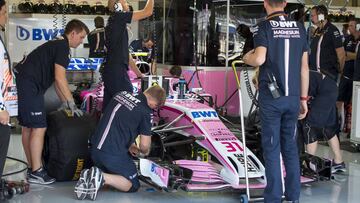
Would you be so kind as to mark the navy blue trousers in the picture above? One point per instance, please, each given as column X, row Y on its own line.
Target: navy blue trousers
column 4, row 145
column 115, row 80
column 278, row 121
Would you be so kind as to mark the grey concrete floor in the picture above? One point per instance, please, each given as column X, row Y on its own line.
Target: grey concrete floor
column 344, row 188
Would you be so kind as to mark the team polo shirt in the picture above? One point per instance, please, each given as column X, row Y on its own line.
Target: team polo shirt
column 137, row 46
column 96, row 39
column 39, row 65
column 323, row 50
column 350, row 45
column 117, row 39
column 285, row 40
column 125, row 118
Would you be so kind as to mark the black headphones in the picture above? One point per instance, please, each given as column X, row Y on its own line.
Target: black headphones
column 322, row 12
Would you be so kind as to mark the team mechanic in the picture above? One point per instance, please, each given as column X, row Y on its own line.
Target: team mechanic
column 356, row 77
column 125, row 118
column 145, row 45
column 326, row 55
column 346, row 82
column 96, row 39
column 34, row 75
column 116, row 63
column 281, row 52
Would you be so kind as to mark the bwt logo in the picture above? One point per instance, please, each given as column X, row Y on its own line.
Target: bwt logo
column 37, row 34
column 283, row 24
column 22, row 33
column 155, row 169
column 204, row 114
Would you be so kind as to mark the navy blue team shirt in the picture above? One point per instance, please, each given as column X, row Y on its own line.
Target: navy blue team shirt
column 350, row 45
column 125, row 118
column 137, row 46
column 329, row 39
column 285, row 40
column 39, row 64
column 117, row 40
column 357, row 67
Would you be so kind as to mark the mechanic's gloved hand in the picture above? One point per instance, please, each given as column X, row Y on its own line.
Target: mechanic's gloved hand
column 70, row 105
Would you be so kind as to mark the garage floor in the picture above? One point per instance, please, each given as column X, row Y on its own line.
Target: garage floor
column 344, row 188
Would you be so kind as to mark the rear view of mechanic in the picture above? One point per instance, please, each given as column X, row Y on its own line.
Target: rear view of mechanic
column 96, row 39
column 34, row 75
column 327, row 58
column 281, row 52
column 116, row 63
column 4, row 114
column 113, row 143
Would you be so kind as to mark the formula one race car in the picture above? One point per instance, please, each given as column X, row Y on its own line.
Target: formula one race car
column 192, row 148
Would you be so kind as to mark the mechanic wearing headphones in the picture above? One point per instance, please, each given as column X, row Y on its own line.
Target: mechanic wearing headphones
column 4, row 114
column 34, row 75
column 327, row 58
column 281, row 52
column 346, row 82
column 125, row 118
column 116, row 62
column 96, row 39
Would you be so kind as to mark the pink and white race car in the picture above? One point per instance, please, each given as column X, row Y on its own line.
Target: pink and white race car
column 191, row 127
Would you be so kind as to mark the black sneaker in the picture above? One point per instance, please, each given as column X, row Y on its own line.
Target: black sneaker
column 40, row 176
column 28, row 172
column 336, row 168
column 96, row 180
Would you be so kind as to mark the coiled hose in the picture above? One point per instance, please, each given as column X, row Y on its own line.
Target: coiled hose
column 251, row 94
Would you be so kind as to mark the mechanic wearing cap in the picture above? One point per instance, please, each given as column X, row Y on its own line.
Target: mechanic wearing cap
column 113, row 142
column 327, row 58
column 4, row 114
column 281, row 52
column 117, row 59
column 34, row 75
column 96, row 39
column 346, row 82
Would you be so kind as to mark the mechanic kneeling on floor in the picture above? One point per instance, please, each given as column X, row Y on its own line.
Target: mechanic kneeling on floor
column 113, row 142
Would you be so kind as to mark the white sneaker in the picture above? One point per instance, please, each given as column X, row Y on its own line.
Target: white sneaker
column 96, row 180
column 81, row 187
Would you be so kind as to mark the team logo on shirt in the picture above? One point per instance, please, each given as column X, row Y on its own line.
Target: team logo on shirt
column 127, row 100
column 285, row 29
column 337, row 34
column 283, row 24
